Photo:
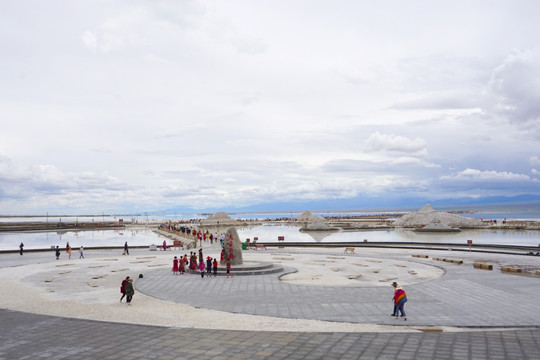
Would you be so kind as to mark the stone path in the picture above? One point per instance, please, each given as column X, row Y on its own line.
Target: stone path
column 31, row 336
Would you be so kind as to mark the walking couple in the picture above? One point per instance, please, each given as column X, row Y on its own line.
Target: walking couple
column 127, row 290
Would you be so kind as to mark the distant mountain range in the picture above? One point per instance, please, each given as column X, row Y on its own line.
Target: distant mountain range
column 378, row 204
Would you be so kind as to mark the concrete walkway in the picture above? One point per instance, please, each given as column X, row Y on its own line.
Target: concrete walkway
column 30, row 336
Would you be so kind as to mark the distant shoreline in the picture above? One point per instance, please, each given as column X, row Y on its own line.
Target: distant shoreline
column 342, row 223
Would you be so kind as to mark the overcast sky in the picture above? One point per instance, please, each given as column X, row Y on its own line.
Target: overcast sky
column 146, row 105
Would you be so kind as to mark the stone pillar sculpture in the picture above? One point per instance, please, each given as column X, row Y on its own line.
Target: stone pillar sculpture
column 232, row 248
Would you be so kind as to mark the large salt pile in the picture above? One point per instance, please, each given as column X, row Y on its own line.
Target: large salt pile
column 427, row 215
column 218, row 218
column 436, row 226
column 313, row 222
column 317, row 226
column 307, row 216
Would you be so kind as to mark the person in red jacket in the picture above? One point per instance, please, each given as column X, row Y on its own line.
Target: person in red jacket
column 400, row 298
column 123, row 288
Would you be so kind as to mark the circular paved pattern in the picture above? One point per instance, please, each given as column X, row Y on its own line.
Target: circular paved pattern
column 462, row 297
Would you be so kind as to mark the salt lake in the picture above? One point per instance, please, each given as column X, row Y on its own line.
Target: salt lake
column 141, row 236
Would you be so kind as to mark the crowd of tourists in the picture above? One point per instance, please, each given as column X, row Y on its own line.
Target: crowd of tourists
column 199, row 235
column 196, row 264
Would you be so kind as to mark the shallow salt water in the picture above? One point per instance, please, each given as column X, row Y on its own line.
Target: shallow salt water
column 101, row 238
column 292, row 234
column 266, row 233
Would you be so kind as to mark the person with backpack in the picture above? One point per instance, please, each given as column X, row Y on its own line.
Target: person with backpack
column 130, row 290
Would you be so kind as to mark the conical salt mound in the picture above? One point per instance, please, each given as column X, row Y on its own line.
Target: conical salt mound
column 426, row 209
column 307, row 216
column 218, row 218
column 427, row 215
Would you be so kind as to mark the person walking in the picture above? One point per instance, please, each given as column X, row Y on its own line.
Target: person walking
column 400, row 298
column 130, row 291
column 21, row 248
column 81, row 252
column 126, row 249
column 57, row 253
column 68, row 250
column 123, row 288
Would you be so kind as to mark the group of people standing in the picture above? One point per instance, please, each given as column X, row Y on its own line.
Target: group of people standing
column 195, row 264
column 199, row 235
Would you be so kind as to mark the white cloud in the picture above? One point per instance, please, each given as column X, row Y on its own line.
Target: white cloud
column 516, row 87
column 90, row 40
column 249, row 45
column 196, row 103
column 48, row 183
column 406, row 161
column 479, row 175
column 395, row 143
column 534, row 161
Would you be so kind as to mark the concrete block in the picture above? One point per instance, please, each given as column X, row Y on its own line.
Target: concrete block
column 453, row 261
column 510, row 269
column 483, row 266
column 431, row 329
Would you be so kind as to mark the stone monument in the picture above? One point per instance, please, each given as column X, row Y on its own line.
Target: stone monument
column 232, row 248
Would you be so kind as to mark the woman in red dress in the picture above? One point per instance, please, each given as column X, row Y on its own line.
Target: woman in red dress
column 183, row 264
column 175, row 266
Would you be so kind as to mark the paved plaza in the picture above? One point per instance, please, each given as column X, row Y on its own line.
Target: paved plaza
column 30, row 336
column 463, row 297
column 499, row 312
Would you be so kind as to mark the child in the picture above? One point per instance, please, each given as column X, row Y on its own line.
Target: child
column 229, row 269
